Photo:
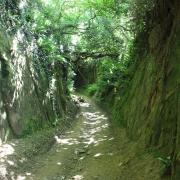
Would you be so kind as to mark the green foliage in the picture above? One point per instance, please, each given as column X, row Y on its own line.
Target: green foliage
column 65, row 33
column 167, row 165
column 92, row 89
column 32, row 125
column 165, row 160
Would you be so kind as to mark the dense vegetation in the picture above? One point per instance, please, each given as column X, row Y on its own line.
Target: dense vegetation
column 123, row 52
column 55, row 40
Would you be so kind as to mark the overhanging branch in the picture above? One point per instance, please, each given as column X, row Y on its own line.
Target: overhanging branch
column 85, row 55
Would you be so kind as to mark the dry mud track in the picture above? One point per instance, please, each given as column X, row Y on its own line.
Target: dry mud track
column 92, row 149
column 84, row 152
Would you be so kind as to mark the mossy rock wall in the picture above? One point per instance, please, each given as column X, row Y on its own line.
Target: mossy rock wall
column 31, row 97
column 150, row 108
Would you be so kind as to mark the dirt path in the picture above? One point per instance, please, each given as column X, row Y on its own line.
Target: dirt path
column 92, row 149
column 84, row 152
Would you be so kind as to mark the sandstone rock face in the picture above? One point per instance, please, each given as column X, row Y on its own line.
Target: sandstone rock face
column 152, row 105
column 30, row 95
column 150, row 109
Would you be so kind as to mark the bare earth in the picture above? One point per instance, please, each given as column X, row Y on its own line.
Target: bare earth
column 91, row 149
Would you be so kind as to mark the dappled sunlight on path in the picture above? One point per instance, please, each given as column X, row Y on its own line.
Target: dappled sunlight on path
column 5, row 151
column 78, row 153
